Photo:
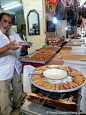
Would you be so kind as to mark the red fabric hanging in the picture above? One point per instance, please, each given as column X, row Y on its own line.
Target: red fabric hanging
column 52, row 2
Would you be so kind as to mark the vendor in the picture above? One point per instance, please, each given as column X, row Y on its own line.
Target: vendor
column 81, row 22
column 10, row 67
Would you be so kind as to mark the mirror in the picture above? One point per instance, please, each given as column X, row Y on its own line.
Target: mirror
column 33, row 23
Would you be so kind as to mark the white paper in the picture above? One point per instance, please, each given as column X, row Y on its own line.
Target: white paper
column 74, row 42
column 82, row 69
column 26, row 78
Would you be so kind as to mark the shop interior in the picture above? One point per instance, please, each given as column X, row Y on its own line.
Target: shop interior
column 58, row 42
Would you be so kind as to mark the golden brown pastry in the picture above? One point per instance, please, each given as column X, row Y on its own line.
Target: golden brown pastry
column 78, row 77
column 75, row 84
column 57, row 87
column 38, row 72
column 37, row 80
column 75, row 74
column 36, row 77
column 48, row 87
column 42, row 83
column 70, row 86
column 65, row 69
column 45, row 84
column 38, row 69
column 70, row 83
column 65, row 86
column 61, row 87
column 53, row 87
column 78, row 82
column 60, row 67
column 69, row 69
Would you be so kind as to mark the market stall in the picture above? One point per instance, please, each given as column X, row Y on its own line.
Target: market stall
column 64, row 104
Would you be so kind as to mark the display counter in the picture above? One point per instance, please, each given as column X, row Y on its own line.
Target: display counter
column 33, row 108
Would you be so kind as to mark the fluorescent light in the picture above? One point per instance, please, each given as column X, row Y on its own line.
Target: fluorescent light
column 84, row 5
column 13, row 6
column 54, row 20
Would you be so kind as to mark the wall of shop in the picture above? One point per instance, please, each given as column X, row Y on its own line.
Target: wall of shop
column 60, row 27
column 19, row 20
column 37, row 40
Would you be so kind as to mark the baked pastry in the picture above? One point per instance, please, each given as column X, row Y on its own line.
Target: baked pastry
column 75, row 74
column 65, row 86
column 59, row 55
column 69, row 69
column 61, row 87
column 48, row 87
column 70, row 83
column 57, row 87
column 53, row 87
column 70, row 86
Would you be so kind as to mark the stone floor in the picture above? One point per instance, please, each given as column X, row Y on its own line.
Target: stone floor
column 17, row 112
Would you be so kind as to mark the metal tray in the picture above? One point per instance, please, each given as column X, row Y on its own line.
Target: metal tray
column 22, row 59
column 61, row 91
column 25, row 43
column 50, row 48
column 75, row 62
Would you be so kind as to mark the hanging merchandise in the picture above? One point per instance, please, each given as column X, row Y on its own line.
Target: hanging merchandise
column 50, row 2
column 53, row 2
column 70, row 2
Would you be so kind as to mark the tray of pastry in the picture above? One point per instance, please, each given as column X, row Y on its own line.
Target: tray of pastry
column 66, row 48
column 54, row 62
column 65, row 51
column 41, row 57
column 73, row 81
column 74, row 44
column 70, row 57
column 50, row 48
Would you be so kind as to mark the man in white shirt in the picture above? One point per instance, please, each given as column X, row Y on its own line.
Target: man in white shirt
column 10, row 67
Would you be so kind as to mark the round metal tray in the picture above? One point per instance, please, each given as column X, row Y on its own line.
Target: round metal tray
column 61, row 91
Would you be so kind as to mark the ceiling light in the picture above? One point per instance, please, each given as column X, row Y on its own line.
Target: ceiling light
column 13, row 6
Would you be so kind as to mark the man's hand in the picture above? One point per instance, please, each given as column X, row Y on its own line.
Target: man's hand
column 23, row 48
column 12, row 45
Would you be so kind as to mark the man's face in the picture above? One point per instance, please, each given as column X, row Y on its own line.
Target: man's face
column 5, row 24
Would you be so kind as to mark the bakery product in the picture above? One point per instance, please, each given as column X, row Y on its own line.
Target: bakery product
column 69, row 69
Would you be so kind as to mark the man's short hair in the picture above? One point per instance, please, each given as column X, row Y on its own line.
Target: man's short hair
column 4, row 13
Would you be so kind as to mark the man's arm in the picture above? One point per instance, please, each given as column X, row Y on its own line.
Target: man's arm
column 10, row 46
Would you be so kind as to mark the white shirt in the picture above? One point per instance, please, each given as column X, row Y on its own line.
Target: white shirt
column 9, row 59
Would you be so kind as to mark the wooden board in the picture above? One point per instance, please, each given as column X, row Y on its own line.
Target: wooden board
column 50, row 48
column 54, row 62
column 71, row 57
column 59, row 104
column 66, row 48
column 71, row 44
column 65, row 51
